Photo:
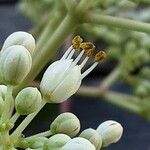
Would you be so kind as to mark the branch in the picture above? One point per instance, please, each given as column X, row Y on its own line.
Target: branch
column 117, row 22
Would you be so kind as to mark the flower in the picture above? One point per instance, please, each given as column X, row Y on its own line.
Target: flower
column 66, row 123
column 78, row 143
column 110, row 131
column 63, row 78
column 93, row 136
column 20, row 38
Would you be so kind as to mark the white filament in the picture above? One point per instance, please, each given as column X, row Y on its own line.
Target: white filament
column 89, row 70
column 67, row 53
column 71, row 54
column 84, row 62
column 78, row 58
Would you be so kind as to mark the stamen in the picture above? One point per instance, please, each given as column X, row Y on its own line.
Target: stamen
column 76, row 42
column 89, row 70
column 71, row 54
column 84, row 62
column 78, row 58
column 87, row 46
column 66, row 53
column 100, row 56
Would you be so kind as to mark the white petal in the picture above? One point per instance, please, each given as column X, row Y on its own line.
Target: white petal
column 68, row 86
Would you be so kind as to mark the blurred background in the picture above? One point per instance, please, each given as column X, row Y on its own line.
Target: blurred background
column 17, row 15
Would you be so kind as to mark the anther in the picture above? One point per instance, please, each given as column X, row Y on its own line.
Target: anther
column 100, row 56
column 76, row 42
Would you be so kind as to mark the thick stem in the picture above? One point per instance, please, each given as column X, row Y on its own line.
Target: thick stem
column 117, row 22
column 40, row 60
column 25, row 123
column 125, row 101
column 7, row 105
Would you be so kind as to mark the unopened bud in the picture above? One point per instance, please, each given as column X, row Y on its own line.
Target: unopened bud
column 93, row 136
column 20, row 38
column 3, row 90
column 66, row 123
column 28, row 101
column 56, row 142
column 110, row 131
column 15, row 64
column 78, row 143
column 37, row 142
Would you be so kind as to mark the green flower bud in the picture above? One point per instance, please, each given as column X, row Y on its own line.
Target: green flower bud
column 66, row 123
column 28, row 101
column 3, row 90
column 20, row 38
column 78, row 143
column 93, row 136
column 37, row 142
column 15, row 64
column 110, row 131
column 56, row 142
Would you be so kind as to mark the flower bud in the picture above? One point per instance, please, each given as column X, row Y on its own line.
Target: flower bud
column 56, row 142
column 20, row 38
column 1, row 105
column 93, row 136
column 15, row 64
column 28, row 101
column 110, row 131
column 3, row 90
column 59, row 82
column 37, row 142
column 78, row 143
column 66, row 123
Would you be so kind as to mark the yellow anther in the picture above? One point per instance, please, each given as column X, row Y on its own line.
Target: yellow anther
column 100, row 56
column 87, row 46
column 76, row 42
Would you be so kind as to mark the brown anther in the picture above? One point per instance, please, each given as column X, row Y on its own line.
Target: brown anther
column 87, row 46
column 76, row 42
column 89, row 52
column 100, row 56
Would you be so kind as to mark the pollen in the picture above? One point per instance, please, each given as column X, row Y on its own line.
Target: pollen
column 87, row 46
column 100, row 56
column 76, row 42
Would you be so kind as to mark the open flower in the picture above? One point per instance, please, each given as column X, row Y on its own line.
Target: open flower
column 63, row 78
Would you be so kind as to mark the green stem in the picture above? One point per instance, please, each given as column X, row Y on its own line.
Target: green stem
column 25, row 123
column 42, row 134
column 7, row 105
column 14, row 118
column 66, row 27
column 125, row 101
column 109, row 80
column 117, row 22
column 52, row 25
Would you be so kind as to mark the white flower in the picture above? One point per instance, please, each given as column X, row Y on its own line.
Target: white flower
column 78, row 143
column 63, row 78
column 110, row 131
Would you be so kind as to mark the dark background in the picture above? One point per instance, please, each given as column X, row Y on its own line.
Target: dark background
column 91, row 112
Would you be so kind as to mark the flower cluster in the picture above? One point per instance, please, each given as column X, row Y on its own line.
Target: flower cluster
column 60, row 81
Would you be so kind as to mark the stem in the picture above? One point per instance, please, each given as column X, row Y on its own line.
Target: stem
column 65, row 28
column 109, row 80
column 117, row 22
column 14, row 118
column 7, row 105
column 25, row 123
column 42, row 134
column 125, row 101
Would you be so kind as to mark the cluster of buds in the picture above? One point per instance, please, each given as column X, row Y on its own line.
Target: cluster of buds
column 60, row 81
column 66, row 126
